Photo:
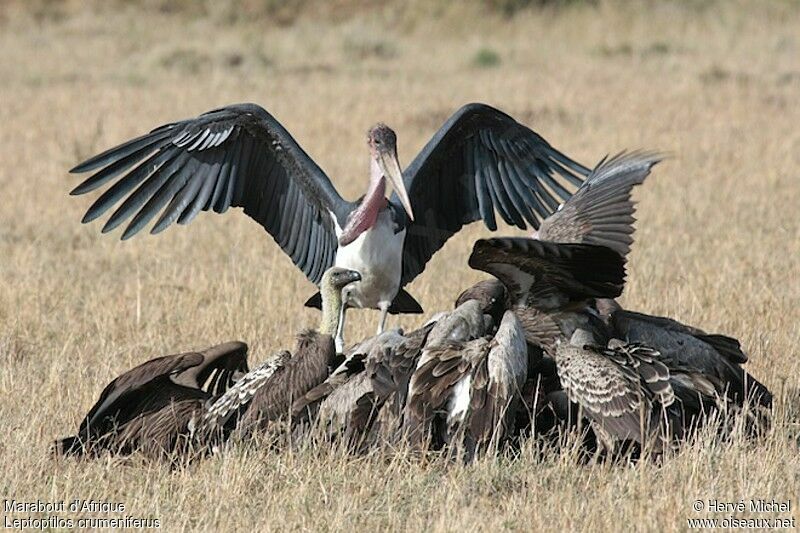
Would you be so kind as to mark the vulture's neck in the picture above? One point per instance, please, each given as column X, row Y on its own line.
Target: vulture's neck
column 331, row 310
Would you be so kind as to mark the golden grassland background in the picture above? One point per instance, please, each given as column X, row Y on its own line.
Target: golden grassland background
column 715, row 84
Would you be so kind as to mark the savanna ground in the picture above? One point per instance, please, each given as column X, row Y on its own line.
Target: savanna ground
column 715, row 84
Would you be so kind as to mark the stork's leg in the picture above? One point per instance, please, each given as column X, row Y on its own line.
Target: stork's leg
column 339, row 340
column 384, row 307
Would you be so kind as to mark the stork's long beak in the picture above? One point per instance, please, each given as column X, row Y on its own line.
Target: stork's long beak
column 390, row 166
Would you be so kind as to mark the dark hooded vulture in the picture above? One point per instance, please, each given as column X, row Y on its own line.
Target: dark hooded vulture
column 155, row 408
column 266, row 394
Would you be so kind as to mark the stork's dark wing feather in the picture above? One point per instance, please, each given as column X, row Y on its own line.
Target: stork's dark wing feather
column 601, row 211
column 481, row 161
column 238, row 156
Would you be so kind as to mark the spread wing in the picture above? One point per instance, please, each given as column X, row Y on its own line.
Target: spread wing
column 156, row 384
column 238, row 156
column 601, row 210
column 533, row 269
column 481, row 161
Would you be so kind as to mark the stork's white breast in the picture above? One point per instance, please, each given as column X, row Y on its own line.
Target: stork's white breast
column 377, row 254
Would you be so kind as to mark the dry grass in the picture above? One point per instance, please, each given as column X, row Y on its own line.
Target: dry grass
column 718, row 243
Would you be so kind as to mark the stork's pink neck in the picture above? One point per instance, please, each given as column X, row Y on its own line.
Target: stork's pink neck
column 364, row 216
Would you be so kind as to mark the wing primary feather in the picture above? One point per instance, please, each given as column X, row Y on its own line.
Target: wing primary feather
column 523, row 153
column 170, row 186
column 301, row 249
column 289, row 220
column 516, row 196
column 309, row 262
column 144, row 192
column 181, row 200
column 116, row 155
column 323, row 253
column 532, row 207
column 481, row 187
column 292, row 221
column 123, row 186
column 226, row 175
column 495, row 189
column 569, row 176
column 239, row 167
column 264, row 207
column 257, row 196
column 570, row 164
column 496, row 181
column 506, row 192
column 202, row 197
column 251, row 156
column 551, row 182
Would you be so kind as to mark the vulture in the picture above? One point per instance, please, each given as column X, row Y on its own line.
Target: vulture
column 265, row 395
column 466, row 388
column 635, row 378
column 155, row 408
column 363, row 402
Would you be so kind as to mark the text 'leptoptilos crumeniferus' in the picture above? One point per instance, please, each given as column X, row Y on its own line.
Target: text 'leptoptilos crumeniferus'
column 480, row 161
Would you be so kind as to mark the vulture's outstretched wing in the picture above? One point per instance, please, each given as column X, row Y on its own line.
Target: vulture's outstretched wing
column 601, row 210
column 481, row 161
column 549, row 274
column 238, row 156
column 152, row 387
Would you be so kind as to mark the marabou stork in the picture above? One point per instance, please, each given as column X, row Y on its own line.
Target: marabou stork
column 480, row 161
